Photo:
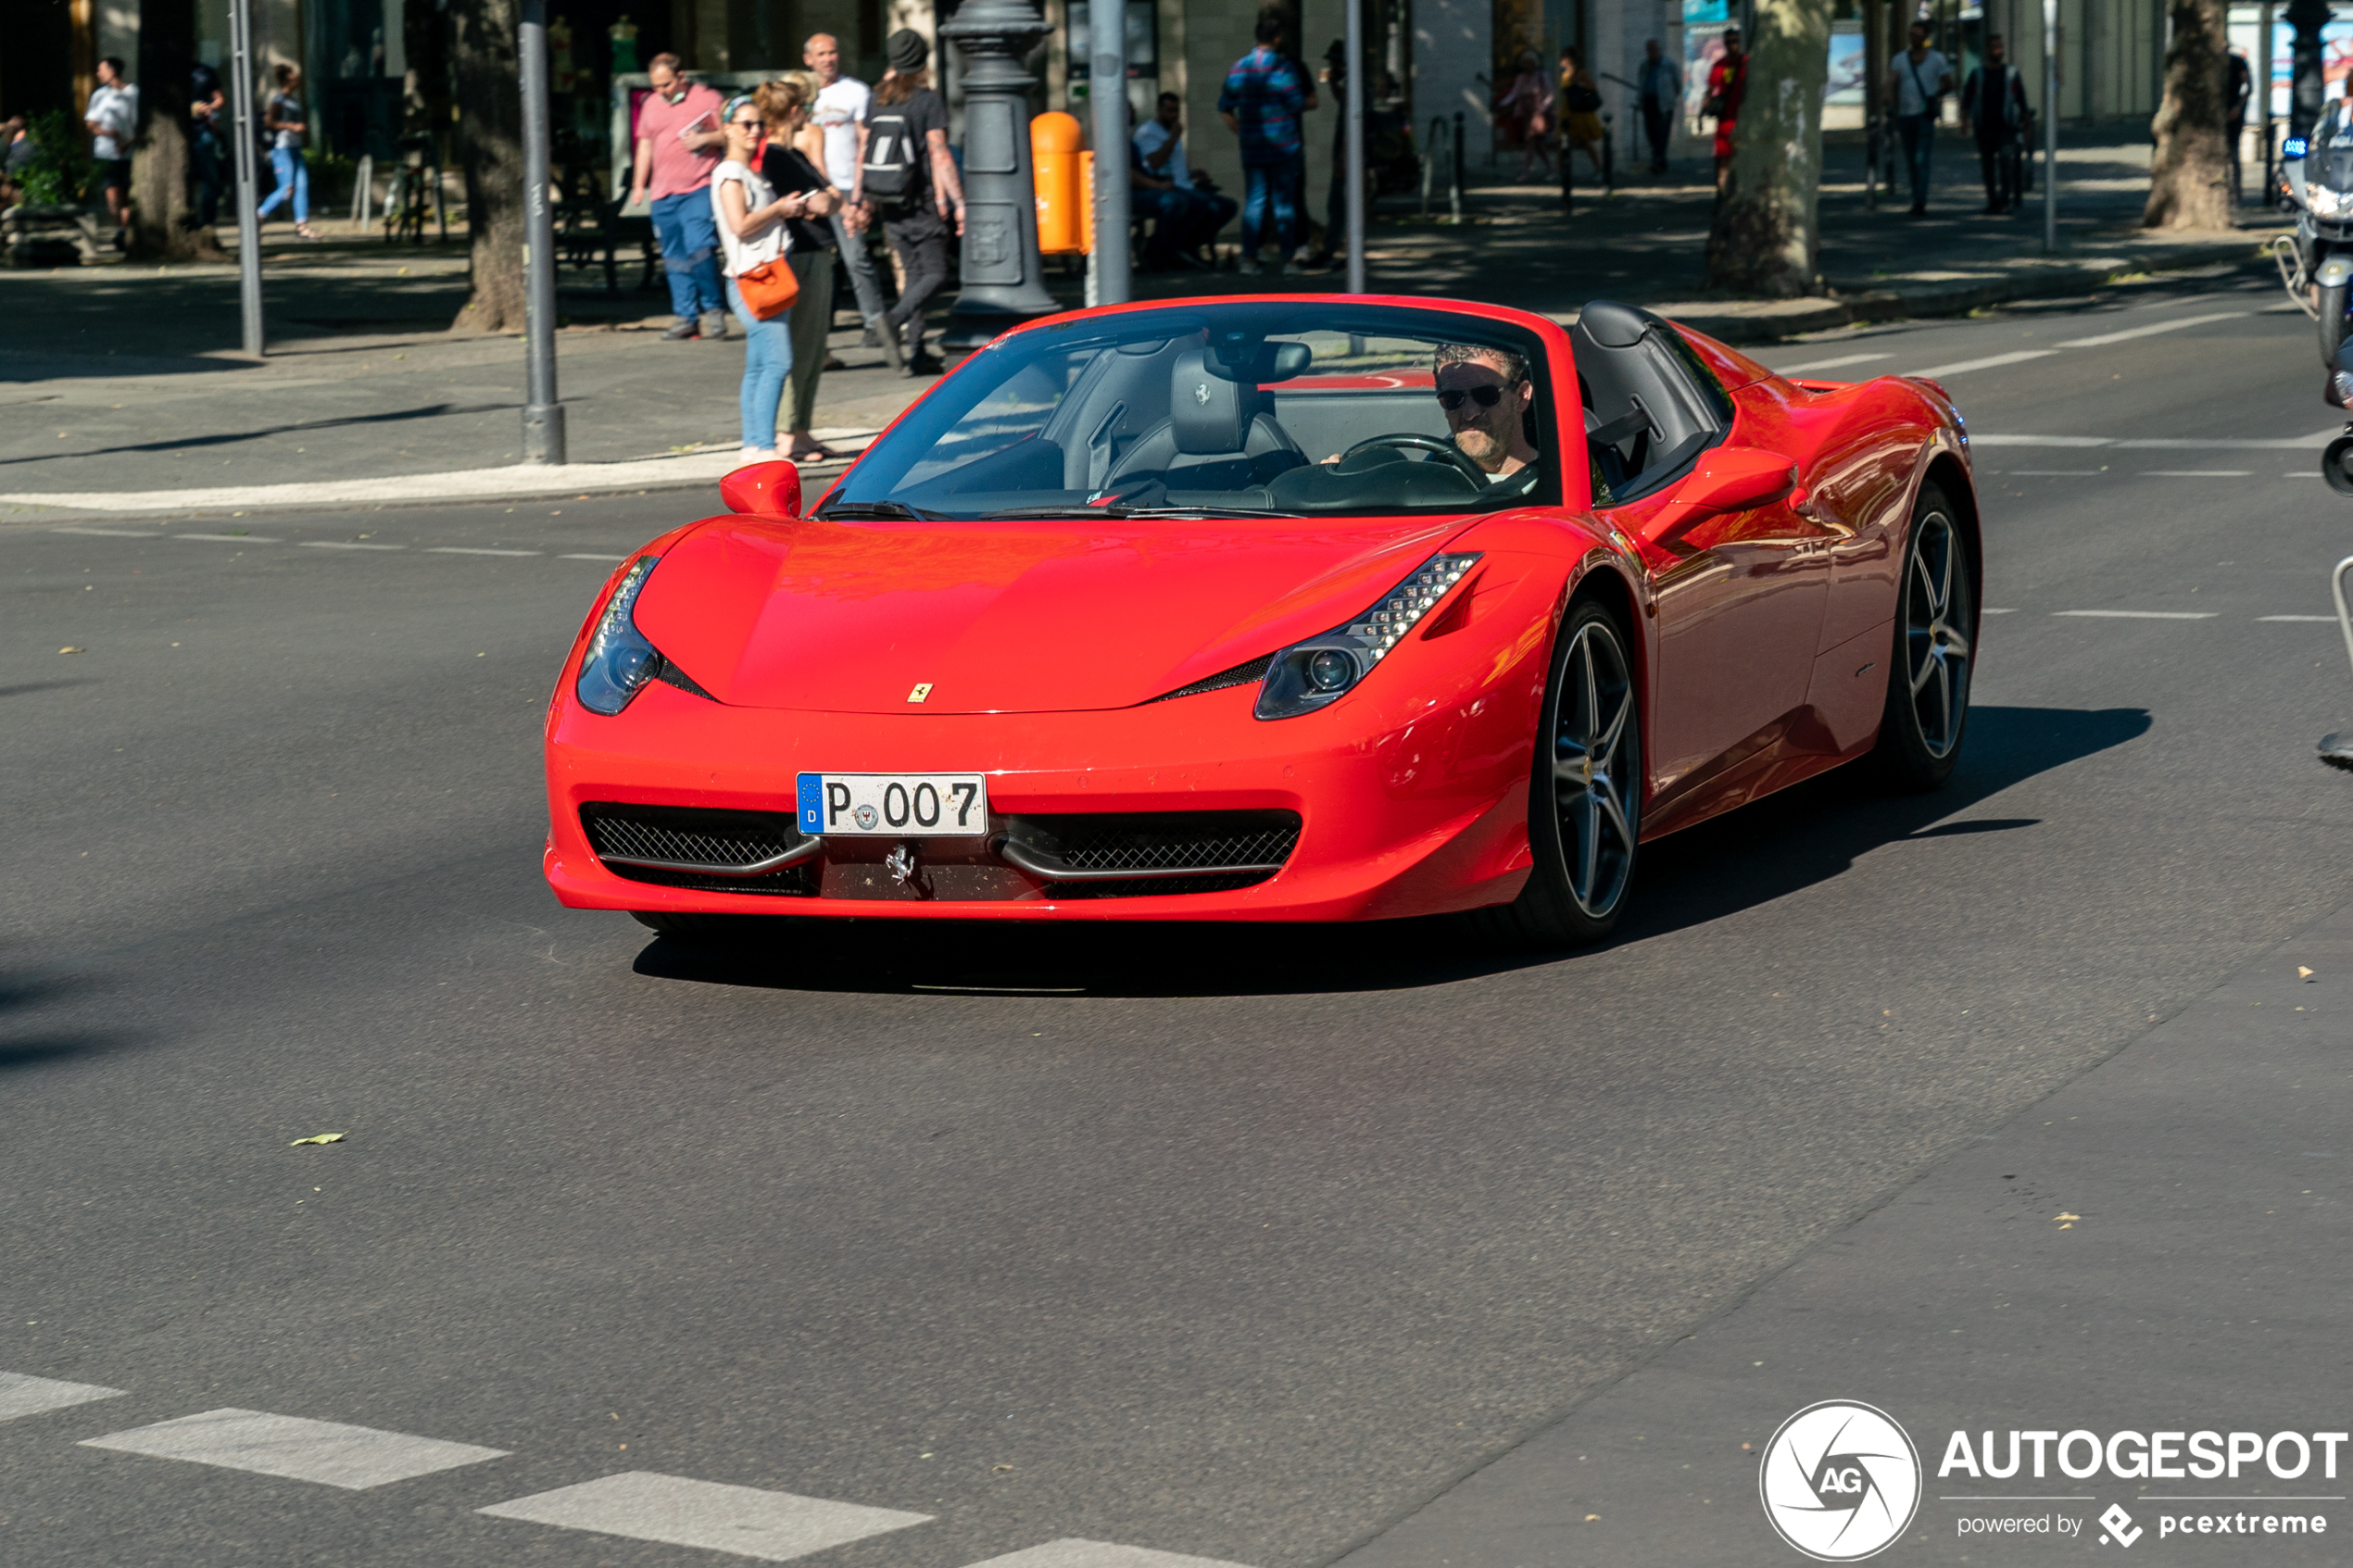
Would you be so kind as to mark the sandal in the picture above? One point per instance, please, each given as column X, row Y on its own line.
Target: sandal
column 818, row 452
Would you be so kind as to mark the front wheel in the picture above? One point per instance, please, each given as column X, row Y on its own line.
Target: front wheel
column 2330, row 305
column 1919, row 733
column 1585, row 800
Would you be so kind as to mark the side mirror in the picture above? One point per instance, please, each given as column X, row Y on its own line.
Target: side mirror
column 763, row 489
column 1733, row 478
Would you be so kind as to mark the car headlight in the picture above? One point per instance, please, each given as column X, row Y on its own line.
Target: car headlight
column 1320, row 671
column 619, row 660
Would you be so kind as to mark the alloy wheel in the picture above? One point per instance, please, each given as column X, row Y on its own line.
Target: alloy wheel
column 1936, row 639
column 1596, row 770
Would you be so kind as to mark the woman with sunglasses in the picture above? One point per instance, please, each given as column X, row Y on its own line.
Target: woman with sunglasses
column 788, row 168
column 751, row 231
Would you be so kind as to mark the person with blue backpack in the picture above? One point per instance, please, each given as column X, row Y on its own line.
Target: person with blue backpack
column 907, row 179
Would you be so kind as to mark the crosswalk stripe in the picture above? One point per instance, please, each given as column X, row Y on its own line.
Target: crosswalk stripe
column 21, row 1394
column 1074, row 1553
column 354, row 1457
column 642, row 1506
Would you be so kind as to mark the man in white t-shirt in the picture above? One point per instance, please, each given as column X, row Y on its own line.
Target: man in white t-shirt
column 839, row 105
column 1918, row 80
column 113, row 119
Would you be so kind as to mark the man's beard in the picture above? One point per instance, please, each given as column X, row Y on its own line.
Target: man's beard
column 1481, row 445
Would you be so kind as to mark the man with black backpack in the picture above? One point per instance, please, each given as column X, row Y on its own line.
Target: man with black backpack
column 907, row 179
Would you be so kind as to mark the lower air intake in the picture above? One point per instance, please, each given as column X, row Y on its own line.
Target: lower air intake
column 708, row 851
column 1149, row 854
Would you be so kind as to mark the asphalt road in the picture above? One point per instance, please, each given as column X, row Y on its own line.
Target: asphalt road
column 1239, row 1245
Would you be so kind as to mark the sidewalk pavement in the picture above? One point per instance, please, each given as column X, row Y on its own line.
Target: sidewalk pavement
column 128, row 393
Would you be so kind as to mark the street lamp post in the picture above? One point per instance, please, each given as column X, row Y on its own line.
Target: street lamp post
column 2309, row 88
column 543, row 416
column 2050, row 124
column 1107, row 91
column 1356, row 173
column 248, row 215
column 998, row 277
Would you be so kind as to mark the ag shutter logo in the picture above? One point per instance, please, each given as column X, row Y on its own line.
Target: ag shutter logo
column 1840, row 1481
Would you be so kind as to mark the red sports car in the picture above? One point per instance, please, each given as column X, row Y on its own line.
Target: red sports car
column 1297, row 608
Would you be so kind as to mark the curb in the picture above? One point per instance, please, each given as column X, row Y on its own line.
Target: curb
column 1856, row 303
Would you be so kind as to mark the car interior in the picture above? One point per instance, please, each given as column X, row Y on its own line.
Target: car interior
column 1652, row 405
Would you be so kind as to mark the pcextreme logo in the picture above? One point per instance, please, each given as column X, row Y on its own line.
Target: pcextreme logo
column 1841, row 1481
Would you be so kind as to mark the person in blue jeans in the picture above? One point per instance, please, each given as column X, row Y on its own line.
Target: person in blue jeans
column 679, row 143
column 1265, row 93
column 288, row 123
column 751, row 223
column 1919, row 80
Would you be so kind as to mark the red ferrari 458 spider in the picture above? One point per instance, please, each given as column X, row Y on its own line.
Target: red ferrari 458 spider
column 1298, row 608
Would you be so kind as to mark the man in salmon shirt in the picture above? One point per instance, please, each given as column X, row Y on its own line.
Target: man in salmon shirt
column 679, row 143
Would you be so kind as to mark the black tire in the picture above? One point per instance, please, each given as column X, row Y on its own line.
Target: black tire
column 2329, row 304
column 1934, row 653
column 1585, row 796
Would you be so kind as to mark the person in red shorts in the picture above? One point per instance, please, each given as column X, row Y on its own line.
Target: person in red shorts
column 1727, row 81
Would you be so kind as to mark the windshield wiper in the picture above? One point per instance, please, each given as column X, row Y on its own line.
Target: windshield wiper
column 1118, row 512
column 873, row 509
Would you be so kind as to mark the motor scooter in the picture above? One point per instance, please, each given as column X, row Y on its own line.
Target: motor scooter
column 2316, row 262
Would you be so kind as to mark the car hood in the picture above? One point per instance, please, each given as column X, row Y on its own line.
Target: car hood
column 1006, row 617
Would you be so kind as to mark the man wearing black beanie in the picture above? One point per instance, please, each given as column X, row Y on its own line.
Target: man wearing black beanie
column 907, row 179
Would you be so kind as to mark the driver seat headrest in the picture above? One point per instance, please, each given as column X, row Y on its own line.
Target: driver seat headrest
column 1208, row 415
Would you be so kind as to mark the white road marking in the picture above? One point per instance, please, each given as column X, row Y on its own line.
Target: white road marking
column 354, row 1457
column 1074, row 1553
column 2304, row 474
column 2199, row 473
column 1990, row 362
column 2314, row 442
column 463, row 550
column 2055, row 473
column 2324, row 620
column 592, row 558
column 1839, row 363
column 2143, row 614
column 21, row 1394
column 229, row 538
column 1989, row 610
column 2131, row 332
column 1976, row 440
column 110, row 532
column 344, row 545
column 772, row 1526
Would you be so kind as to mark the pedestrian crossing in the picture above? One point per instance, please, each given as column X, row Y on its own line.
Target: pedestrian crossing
column 747, row 1522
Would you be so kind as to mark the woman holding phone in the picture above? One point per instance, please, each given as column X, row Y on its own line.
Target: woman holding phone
column 751, row 219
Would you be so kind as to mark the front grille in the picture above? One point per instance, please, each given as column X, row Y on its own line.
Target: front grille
column 689, row 838
column 1081, row 856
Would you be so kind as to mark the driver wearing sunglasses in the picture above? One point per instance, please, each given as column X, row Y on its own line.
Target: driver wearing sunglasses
column 1485, row 395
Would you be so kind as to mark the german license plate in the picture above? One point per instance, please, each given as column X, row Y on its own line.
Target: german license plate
column 894, row 805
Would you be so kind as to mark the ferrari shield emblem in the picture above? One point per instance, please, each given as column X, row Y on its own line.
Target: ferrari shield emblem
column 922, row 690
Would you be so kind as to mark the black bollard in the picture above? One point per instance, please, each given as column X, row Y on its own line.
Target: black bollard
column 999, row 275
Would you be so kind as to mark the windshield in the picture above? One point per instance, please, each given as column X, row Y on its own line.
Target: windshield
column 1282, row 409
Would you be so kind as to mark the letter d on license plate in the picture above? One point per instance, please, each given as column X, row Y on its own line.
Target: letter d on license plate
column 894, row 805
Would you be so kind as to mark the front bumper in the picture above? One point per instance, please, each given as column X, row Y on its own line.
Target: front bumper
column 1413, row 808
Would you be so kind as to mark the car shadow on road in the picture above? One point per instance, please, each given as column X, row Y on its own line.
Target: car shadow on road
column 20, row 1048
column 1746, row 858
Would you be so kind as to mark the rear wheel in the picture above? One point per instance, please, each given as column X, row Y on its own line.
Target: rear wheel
column 1584, row 806
column 1928, row 685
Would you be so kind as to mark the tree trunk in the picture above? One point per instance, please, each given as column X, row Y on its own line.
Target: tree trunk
column 2190, row 170
column 1766, row 239
column 163, row 222
column 483, row 61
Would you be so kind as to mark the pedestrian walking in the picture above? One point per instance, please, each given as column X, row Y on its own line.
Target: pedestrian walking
column 1727, row 85
column 207, row 141
column 908, row 181
column 789, row 171
column 1160, row 146
column 1993, row 111
column 287, row 124
column 750, row 220
column 2242, row 86
column 1659, row 87
column 679, row 147
column 839, row 105
column 1918, row 81
column 17, row 149
column 112, row 114
column 1527, row 108
column 1265, row 95
column 1583, row 129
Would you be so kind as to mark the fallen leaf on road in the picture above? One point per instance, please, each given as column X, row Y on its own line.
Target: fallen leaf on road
column 1004, row 1467
column 2302, row 972
column 316, row 1137
column 73, row 650
column 1592, row 1517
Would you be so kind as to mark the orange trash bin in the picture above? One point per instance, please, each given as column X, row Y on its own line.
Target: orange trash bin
column 1053, row 158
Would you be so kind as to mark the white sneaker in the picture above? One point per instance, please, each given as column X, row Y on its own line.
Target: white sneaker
column 1293, row 269
column 1247, row 267
column 750, row 455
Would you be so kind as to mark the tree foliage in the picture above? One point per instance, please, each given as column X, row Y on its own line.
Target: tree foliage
column 1766, row 235
column 485, row 72
column 2190, row 170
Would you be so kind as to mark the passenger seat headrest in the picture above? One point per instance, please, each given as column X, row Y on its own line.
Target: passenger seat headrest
column 1207, row 414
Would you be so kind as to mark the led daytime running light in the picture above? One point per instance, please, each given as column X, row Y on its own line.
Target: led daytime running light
column 1383, row 626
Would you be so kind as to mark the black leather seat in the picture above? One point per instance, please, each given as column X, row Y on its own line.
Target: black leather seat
column 1218, row 436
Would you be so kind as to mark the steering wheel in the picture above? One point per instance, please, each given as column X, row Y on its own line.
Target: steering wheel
column 1479, row 477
